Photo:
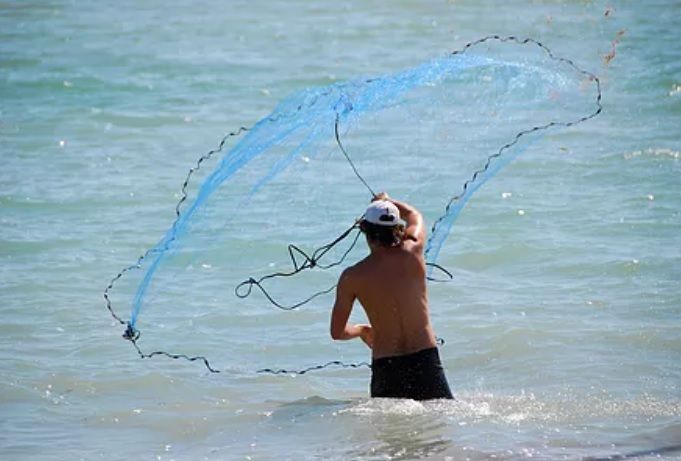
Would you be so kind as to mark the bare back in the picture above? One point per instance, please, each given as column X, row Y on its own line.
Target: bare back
column 390, row 284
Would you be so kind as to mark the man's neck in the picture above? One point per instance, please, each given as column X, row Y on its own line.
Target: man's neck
column 377, row 250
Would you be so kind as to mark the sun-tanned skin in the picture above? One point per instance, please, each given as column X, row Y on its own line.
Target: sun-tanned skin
column 390, row 283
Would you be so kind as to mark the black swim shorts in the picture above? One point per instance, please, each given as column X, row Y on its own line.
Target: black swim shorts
column 417, row 376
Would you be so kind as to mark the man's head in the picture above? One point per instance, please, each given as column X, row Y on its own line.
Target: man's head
column 382, row 224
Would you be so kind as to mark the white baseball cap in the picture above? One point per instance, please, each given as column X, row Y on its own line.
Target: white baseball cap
column 383, row 213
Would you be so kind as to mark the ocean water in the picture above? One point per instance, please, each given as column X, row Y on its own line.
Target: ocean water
column 562, row 324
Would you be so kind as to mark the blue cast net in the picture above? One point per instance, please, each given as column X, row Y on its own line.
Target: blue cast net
column 268, row 218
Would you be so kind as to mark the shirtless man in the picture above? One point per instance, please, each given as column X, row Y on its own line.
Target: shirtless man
column 390, row 284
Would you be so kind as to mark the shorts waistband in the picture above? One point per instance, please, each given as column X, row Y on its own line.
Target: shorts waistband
column 423, row 353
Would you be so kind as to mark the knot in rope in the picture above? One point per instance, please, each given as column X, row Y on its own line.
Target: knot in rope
column 130, row 333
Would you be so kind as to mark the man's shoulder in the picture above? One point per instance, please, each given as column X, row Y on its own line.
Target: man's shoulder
column 412, row 256
column 358, row 271
column 350, row 277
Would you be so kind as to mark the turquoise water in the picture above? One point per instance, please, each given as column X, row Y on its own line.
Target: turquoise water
column 561, row 325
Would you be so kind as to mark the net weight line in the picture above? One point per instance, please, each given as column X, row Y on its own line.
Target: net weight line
column 312, row 260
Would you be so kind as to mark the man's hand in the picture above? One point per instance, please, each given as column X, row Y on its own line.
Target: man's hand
column 380, row 196
column 367, row 335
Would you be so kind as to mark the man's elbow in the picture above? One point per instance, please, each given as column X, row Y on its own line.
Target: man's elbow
column 337, row 334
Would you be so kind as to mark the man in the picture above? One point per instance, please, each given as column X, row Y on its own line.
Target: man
column 390, row 284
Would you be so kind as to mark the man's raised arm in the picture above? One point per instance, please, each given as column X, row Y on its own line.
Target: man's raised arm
column 415, row 230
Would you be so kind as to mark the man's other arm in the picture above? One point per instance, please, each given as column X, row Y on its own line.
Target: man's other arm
column 345, row 297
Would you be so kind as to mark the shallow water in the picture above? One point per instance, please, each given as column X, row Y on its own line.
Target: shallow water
column 561, row 325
